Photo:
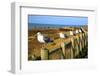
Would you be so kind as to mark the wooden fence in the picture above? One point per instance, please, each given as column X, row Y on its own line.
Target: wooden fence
column 68, row 49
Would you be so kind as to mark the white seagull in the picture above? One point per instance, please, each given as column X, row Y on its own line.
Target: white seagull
column 71, row 33
column 76, row 32
column 80, row 31
column 43, row 39
column 62, row 35
column 83, row 31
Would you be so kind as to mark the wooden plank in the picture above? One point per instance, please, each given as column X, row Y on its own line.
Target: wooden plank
column 44, row 54
column 77, row 43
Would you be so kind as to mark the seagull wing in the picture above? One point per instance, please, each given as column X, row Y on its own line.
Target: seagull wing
column 47, row 39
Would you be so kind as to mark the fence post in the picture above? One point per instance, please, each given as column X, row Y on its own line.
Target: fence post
column 71, row 54
column 72, row 48
column 63, row 49
column 80, row 42
column 85, row 39
column 44, row 54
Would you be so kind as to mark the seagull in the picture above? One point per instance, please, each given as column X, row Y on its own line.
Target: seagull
column 76, row 32
column 43, row 39
column 62, row 35
column 80, row 31
column 71, row 33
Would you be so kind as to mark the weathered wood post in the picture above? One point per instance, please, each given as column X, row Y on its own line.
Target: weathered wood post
column 44, row 54
column 83, row 40
column 80, row 43
column 77, row 45
column 72, row 48
column 86, row 39
column 63, row 49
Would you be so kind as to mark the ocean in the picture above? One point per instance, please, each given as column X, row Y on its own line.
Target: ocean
column 49, row 26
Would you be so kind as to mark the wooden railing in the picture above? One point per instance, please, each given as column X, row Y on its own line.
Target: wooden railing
column 69, row 49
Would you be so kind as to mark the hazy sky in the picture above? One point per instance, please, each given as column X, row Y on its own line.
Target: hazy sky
column 57, row 20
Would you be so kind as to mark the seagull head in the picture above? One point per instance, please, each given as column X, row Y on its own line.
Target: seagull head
column 39, row 33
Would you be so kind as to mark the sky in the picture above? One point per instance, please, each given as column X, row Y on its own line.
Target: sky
column 57, row 20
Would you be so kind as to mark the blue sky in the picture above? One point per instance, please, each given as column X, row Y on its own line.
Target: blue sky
column 57, row 20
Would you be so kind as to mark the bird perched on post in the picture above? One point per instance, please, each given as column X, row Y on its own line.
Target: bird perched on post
column 80, row 31
column 83, row 31
column 43, row 39
column 71, row 33
column 62, row 35
column 76, row 32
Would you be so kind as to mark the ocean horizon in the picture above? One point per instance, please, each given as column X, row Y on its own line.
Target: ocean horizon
column 48, row 26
